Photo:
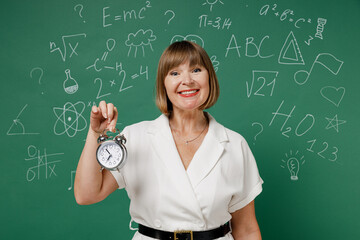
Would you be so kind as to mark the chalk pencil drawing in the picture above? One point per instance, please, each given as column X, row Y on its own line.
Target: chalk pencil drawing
column 67, row 40
column 140, row 39
column 333, row 94
column 17, row 127
column 69, row 119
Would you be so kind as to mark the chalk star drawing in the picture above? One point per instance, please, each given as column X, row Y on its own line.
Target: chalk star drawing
column 69, row 119
column 334, row 123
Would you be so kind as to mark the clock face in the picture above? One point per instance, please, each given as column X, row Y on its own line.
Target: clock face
column 110, row 154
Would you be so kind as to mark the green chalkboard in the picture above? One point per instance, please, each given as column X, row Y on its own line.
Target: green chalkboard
column 288, row 73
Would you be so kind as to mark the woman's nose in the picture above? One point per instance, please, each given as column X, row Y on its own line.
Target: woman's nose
column 187, row 78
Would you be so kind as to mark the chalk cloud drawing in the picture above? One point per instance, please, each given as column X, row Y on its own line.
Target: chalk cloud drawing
column 212, row 3
column 334, row 123
column 140, row 39
column 17, row 127
column 292, row 163
column 333, row 94
column 70, row 85
column 191, row 37
column 69, row 119
column 290, row 52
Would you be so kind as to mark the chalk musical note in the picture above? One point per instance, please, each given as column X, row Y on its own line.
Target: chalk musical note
column 72, row 174
column 330, row 62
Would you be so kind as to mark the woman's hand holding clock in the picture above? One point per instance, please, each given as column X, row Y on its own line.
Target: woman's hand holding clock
column 102, row 117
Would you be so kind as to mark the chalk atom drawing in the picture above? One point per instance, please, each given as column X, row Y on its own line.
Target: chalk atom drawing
column 140, row 39
column 69, row 119
column 290, row 52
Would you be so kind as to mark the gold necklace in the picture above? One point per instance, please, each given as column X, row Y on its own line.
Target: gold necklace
column 191, row 140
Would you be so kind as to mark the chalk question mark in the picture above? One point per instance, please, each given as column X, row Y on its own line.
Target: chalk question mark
column 38, row 69
column 173, row 15
column 261, row 129
column 80, row 11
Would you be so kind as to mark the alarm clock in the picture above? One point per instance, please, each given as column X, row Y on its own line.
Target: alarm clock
column 111, row 154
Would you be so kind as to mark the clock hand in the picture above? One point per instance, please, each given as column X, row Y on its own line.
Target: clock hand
column 108, row 151
column 109, row 157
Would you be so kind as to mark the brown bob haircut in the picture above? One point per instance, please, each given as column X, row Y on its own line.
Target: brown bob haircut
column 173, row 56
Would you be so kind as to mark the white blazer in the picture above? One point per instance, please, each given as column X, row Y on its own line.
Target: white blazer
column 221, row 178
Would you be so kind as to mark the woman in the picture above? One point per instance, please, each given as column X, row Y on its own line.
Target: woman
column 185, row 171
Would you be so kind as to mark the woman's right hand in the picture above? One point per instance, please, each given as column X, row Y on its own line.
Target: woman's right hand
column 102, row 117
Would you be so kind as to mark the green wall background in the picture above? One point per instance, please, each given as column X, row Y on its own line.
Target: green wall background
column 288, row 72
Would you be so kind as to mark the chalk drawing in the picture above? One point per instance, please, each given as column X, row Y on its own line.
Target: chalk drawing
column 171, row 13
column 66, row 40
column 17, row 127
column 261, row 130
column 327, row 60
column 72, row 175
column 292, row 163
column 42, row 164
column 308, row 41
column 324, row 150
column 333, row 94
column 37, row 69
column 217, row 23
column 80, row 11
column 69, row 119
column 334, row 123
column 320, row 27
column 211, row 3
column 191, row 37
column 215, row 62
column 70, row 85
column 290, row 52
column 266, row 79
column 140, row 39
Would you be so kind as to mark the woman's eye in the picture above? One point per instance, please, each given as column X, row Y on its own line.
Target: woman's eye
column 196, row 70
column 174, row 74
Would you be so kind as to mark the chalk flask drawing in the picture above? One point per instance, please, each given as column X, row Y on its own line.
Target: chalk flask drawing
column 70, row 85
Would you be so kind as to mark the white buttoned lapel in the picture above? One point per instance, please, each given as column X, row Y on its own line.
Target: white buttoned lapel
column 208, row 154
column 165, row 148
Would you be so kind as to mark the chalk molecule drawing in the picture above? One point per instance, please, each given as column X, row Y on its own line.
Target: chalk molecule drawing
column 140, row 39
column 69, row 119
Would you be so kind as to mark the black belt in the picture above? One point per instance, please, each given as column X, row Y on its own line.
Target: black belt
column 185, row 235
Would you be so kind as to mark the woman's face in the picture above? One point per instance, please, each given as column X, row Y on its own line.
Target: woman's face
column 187, row 86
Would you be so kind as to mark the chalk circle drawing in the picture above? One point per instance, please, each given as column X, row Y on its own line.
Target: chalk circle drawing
column 333, row 94
column 334, row 123
column 327, row 60
column 110, row 45
column 70, row 85
column 140, row 39
column 290, row 52
column 41, row 73
column 69, row 119
column 191, row 37
column 212, row 3
column 17, row 127
column 292, row 163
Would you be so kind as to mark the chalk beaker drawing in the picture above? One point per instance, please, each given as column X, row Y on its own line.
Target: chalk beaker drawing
column 70, row 85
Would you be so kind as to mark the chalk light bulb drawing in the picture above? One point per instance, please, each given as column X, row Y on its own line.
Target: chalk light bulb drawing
column 293, row 165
